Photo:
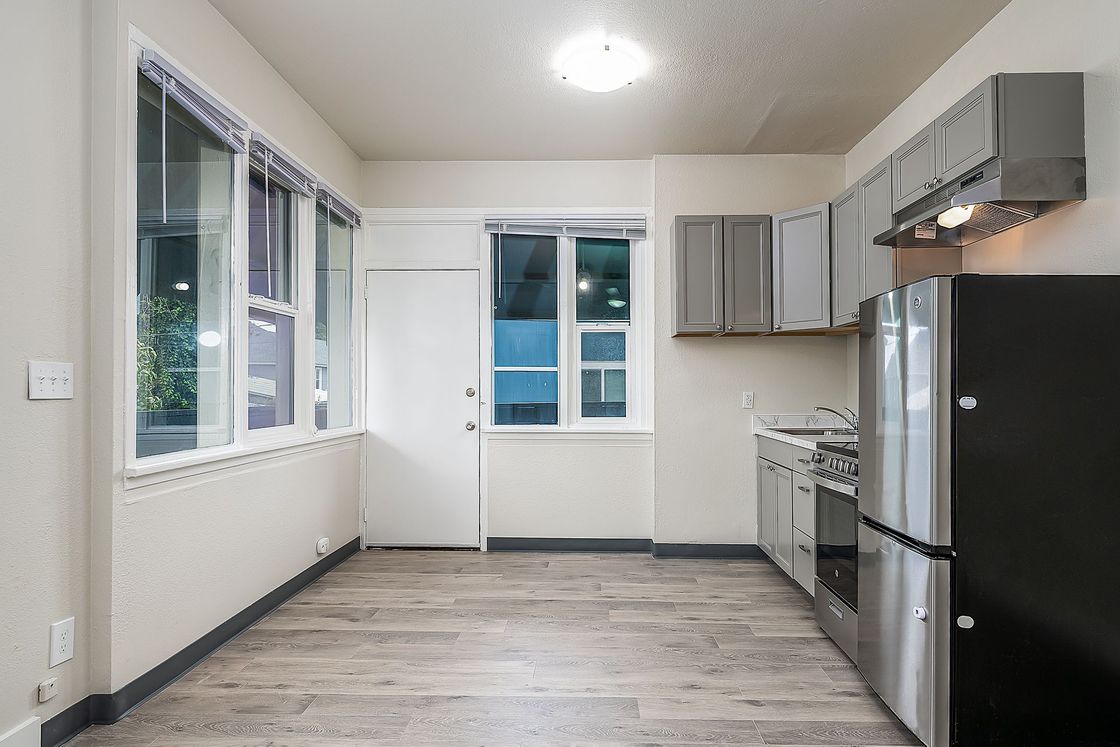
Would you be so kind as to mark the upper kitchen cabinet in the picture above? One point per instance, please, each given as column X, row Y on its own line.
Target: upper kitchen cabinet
column 746, row 273
column 801, row 269
column 698, row 275
column 845, row 260
column 913, row 169
column 876, row 263
column 966, row 133
column 721, row 275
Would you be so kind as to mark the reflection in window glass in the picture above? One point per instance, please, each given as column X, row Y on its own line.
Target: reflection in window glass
column 333, row 304
column 603, row 374
column 183, row 349
column 602, row 280
column 271, row 369
column 526, row 325
column 271, row 231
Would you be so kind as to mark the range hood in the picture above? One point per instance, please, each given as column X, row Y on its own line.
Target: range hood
column 1003, row 193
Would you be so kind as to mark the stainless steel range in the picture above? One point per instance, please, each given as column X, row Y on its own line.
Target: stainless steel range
column 835, row 471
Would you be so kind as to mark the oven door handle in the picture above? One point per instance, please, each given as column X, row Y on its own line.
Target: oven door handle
column 830, row 484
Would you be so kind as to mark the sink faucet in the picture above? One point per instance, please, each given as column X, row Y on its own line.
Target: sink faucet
column 851, row 418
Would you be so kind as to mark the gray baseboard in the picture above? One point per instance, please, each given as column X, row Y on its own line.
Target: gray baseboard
column 646, row 546
column 101, row 708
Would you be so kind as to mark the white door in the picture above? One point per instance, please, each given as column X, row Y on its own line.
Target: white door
column 422, row 442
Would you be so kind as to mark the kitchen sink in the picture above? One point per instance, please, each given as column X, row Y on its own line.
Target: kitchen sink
column 817, row 431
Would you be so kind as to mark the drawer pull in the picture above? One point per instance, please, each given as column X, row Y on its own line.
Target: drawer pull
column 802, row 548
column 836, row 610
column 803, row 489
column 803, row 461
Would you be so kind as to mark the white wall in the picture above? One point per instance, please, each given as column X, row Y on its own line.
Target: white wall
column 1030, row 36
column 704, row 454
column 44, row 302
column 173, row 559
column 554, row 487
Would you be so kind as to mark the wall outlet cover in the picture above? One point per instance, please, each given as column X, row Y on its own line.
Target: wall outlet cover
column 62, row 641
column 748, row 400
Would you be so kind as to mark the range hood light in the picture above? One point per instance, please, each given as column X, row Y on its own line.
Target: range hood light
column 955, row 216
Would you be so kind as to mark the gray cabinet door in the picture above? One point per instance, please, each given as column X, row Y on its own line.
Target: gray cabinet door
column 746, row 273
column 845, row 257
column 698, row 274
column 875, row 216
column 913, row 169
column 783, row 542
column 767, row 506
column 966, row 133
column 801, row 274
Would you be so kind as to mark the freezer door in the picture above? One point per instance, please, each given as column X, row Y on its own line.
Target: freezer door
column 904, row 619
column 905, row 393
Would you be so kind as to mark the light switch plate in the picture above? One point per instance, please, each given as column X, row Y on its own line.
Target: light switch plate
column 47, row 380
column 62, row 641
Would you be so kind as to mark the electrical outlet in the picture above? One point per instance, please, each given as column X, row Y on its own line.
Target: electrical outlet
column 48, row 689
column 748, row 400
column 62, row 641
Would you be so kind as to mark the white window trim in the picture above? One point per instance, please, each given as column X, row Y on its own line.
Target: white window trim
column 638, row 366
column 265, row 442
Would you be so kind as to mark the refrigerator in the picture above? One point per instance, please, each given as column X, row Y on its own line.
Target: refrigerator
column 989, row 605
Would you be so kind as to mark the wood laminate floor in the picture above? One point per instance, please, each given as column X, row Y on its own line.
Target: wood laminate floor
column 461, row 648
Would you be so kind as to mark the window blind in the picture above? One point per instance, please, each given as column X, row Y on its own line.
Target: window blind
column 281, row 167
column 583, row 226
column 219, row 119
column 337, row 204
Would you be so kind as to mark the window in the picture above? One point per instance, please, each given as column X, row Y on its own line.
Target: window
column 334, row 249
column 272, row 231
column 184, row 213
column 526, row 330
column 222, row 211
column 548, row 289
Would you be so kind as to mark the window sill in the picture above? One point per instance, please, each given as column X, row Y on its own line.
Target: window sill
column 632, row 435
column 139, row 475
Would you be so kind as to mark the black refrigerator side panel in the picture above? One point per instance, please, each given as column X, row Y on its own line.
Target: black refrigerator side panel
column 1036, row 511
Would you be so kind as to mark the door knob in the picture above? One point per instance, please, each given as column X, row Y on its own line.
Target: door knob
column 471, row 425
column 470, row 391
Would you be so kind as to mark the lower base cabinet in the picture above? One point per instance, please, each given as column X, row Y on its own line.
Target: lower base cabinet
column 786, row 511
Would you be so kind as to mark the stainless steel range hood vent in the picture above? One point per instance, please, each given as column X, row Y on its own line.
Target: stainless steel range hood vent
column 1004, row 193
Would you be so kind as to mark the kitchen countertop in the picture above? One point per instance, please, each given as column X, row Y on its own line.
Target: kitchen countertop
column 764, row 425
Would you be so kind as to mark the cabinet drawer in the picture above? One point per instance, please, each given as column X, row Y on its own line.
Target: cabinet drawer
column 801, row 459
column 804, row 560
column 837, row 619
column 804, row 505
column 775, row 451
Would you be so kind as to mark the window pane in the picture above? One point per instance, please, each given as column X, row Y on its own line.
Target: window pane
column 526, row 397
column 603, row 374
column 271, row 369
column 602, row 280
column 525, row 342
column 525, row 329
column 333, row 310
column 271, row 228
column 183, row 348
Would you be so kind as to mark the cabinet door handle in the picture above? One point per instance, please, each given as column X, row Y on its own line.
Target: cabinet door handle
column 802, row 548
column 803, row 489
column 777, row 326
column 927, row 185
column 730, row 327
column 719, row 327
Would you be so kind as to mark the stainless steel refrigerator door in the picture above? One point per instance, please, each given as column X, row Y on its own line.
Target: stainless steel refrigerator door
column 905, row 393
column 904, row 620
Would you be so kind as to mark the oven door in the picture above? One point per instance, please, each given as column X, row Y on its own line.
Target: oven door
column 837, row 537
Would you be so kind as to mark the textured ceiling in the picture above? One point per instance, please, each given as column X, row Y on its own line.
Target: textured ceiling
column 473, row 79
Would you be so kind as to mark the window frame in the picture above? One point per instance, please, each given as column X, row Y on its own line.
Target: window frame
column 244, row 444
column 570, row 417
column 296, row 222
column 357, row 320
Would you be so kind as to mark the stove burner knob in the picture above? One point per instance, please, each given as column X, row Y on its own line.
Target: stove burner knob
column 832, row 463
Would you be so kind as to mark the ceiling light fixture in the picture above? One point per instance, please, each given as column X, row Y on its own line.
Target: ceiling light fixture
column 599, row 63
column 955, row 216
